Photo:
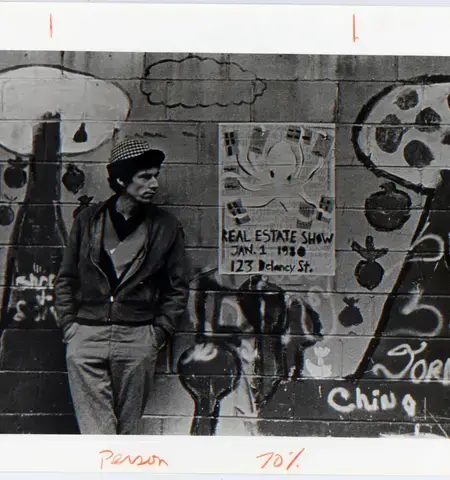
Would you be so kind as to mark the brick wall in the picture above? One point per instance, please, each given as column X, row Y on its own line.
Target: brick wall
column 177, row 104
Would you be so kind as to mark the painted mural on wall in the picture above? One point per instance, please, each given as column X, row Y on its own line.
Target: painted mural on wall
column 251, row 338
column 362, row 338
column 50, row 128
column 276, row 199
column 410, row 149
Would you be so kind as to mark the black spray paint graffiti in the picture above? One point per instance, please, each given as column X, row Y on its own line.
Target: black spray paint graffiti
column 209, row 371
column 416, row 142
column 187, row 95
column 266, row 330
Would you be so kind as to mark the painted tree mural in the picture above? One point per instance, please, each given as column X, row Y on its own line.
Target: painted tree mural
column 51, row 114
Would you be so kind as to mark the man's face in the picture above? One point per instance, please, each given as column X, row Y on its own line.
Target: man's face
column 143, row 185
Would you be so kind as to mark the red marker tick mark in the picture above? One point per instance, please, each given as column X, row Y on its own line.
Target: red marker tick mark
column 51, row 26
column 295, row 458
column 354, row 29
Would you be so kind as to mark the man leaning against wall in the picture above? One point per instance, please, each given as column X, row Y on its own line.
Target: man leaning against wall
column 120, row 293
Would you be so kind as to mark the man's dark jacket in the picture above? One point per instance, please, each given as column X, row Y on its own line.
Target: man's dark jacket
column 154, row 290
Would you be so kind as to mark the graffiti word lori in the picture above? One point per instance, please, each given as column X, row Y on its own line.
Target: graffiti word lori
column 339, row 399
column 108, row 457
column 415, row 369
column 273, row 459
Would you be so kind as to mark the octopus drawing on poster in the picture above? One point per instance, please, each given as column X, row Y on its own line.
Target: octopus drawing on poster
column 277, row 199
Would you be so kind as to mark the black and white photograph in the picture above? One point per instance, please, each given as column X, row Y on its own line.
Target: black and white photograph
column 224, row 244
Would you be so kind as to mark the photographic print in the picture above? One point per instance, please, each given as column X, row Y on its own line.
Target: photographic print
column 224, row 244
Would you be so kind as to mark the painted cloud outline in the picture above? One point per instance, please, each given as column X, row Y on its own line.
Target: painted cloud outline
column 258, row 93
column 363, row 115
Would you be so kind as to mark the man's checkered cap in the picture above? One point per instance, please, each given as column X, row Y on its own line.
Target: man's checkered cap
column 130, row 149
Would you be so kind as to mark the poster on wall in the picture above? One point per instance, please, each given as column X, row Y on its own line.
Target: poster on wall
column 277, row 199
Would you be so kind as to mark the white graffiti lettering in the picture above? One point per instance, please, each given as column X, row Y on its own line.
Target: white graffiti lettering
column 415, row 304
column 41, row 284
column 33, row 281
column 339, row 397
column 417, row 370
column 201, row 353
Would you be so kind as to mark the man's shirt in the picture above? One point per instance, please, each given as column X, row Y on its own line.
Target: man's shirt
column 122, row 240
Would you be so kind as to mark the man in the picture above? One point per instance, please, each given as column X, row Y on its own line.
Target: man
column 120, row 292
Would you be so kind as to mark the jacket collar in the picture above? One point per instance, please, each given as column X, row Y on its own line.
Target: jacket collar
column 158, row 236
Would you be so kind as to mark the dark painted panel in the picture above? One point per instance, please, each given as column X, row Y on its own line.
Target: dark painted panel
column 350, row 429
column 34, row 393
column 38, row 350
column 38, row 424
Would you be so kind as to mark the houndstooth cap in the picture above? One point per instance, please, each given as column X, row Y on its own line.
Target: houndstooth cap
column 134, row 148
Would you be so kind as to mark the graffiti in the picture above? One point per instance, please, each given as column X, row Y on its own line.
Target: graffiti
column 369, row 273
column 310, row 287
column 417, row 301
column 256, row 320
column 339, row 399
column 209, row 372
column 20, row 307
column 414, row 308
column 37, row 288
column 39, row 232
column 187, row 95
column 389, row 209
column 416, row 370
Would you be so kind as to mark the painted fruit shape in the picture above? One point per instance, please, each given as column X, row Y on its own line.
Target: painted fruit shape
column 369, row 274
column 15, row 176
column 350, row 315
column 389, row 209
column 6, row 215
column 80, row 135
column 73, row 179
